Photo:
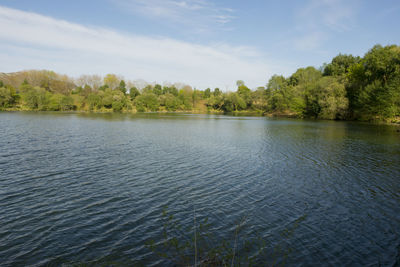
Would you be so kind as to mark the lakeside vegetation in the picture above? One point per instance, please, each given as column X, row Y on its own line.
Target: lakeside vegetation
column 347, row 88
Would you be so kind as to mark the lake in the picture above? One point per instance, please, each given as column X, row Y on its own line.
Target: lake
column 91, row 188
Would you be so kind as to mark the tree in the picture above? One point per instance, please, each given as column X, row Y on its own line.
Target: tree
column 133, row 92
column 119, row 101
column 122, row 87
column 331, row 98
column 111, row 80
column 61, row 102
column 157, row 89
column 244, row 92
column 373, row 84
column 305, row 76
column 185, row 95
column 54, row 103
column 37, row 98
column 196, row 96
column 8, row 96
column 217, row 92
column 233, row 102
column 170, row 102
column 215, row 102
column 238, row 102
column 207, row 93
column 94, row 81
column 239, row 83
column 103, row 87
column 340, row 65
column 382, row 63
column 147, row 102
column 148, row 89
column 277, row 90
column 276, row 83
column 60, row 84
column 259, row 99
column 171, row 90
column 107, row 98
column 355, row 82
column 86, row 90
column 94, row 101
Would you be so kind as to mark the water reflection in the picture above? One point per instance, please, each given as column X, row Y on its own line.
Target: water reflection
column 324, row 192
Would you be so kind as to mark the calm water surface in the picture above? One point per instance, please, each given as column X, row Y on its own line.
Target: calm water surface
column 85, row 187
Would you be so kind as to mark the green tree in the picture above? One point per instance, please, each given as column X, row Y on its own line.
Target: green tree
column 94, row 101
column 373, row 84
column 277, row 88
column 37, row 98
column 303, row 76
column 107, row 98
column 86, row 90
column 147, row 102
column 122, row 87
column 239, row 83
column 61, row 102
column 25, row 87
column 170, row 102
column 119, row 101
column 185, row 95
column 103, row 87
column 207, row 93
column 356, row 81
column 233, row 102
column 111, row 80
column 148, row 89
column 157, row 89
column 67, row 103
column 133, row 92
column 382, row 63
column 215, row 102
column 340, row 65
column 331, row 99
column 8, row 96
column 244, row 92
column 259, row 99
column 171, row 90
column 55, row 102
column 217, row 92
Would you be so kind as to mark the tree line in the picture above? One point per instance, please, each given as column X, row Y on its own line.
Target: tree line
column 348, row 88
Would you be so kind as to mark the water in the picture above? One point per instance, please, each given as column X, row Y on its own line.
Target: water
column 78, row 188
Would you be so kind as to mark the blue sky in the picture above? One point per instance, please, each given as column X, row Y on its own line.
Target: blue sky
column 200, row 42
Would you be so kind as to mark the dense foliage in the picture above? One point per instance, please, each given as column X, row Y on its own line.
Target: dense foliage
column 348, row 87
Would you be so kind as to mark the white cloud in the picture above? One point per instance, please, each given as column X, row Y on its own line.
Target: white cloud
column 29, row 40
column 319, row 19
column 198, row 14
column 337, row 15
column 310, row 41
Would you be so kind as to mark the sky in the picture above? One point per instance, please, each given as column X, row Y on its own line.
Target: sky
column 202, row 43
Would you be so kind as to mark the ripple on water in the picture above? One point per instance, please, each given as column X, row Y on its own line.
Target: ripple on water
column 92, row 188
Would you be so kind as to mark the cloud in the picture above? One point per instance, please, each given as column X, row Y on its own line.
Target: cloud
column 319, row 19
column 198, row 14
column 310, row 41
column 29, row 40
column 337, row 15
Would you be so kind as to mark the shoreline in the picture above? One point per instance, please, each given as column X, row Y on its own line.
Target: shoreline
column 392, row 121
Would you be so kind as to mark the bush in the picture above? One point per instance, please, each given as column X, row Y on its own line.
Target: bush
column 8, row 97
column 147, row 102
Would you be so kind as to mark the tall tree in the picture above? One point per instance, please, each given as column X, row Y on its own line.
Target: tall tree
column 111, row 80
column 122, row 87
